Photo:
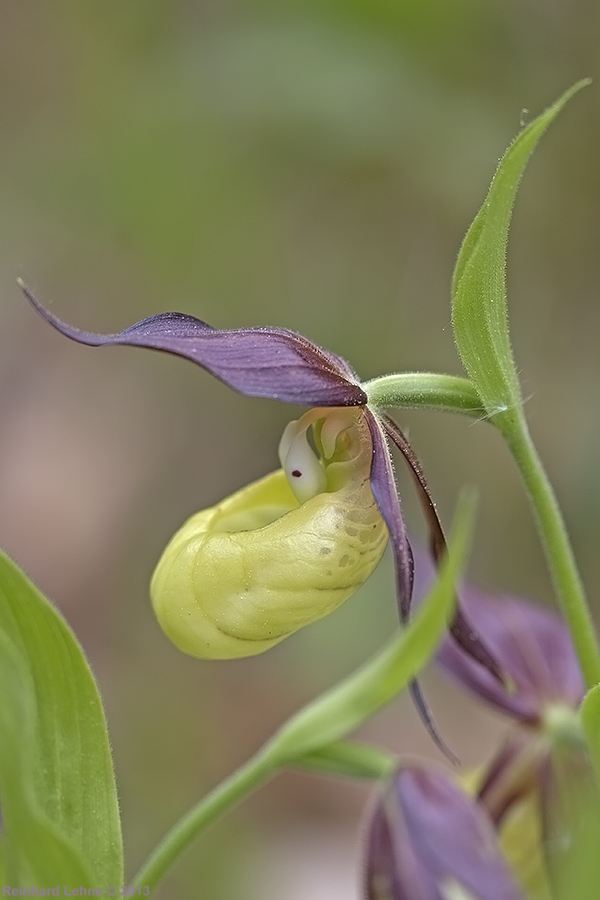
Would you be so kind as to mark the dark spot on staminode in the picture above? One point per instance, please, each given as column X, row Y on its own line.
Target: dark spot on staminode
column 297, row 473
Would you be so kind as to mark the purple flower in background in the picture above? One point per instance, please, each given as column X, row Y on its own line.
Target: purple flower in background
column 522, row 789
column 531, row 644
column 525, row 787
column 427, row 840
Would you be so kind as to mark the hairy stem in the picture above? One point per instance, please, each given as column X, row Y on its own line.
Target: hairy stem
column 557, row 547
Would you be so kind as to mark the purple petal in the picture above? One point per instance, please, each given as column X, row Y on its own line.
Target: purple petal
column 382, row 878
column 532, row 645
column 514, row 773
column 426, row 835
column 382, row 477
column 452, row 836
column 461, row 628
column 385, row 492
column 259, row 362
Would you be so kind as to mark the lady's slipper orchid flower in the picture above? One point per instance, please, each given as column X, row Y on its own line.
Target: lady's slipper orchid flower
column 428, row 840
column 239, row 599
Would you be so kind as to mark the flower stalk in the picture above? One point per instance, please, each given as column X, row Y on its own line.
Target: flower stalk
column 425, row 390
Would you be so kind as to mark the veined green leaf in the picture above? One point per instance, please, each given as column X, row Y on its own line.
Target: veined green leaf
column 479, row 313
column 57, row 787
column 37, row 854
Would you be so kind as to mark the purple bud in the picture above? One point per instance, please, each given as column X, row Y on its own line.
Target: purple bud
column 427, row 837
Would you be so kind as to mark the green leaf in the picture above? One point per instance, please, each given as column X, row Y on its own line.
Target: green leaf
column 479, row 313
column 36, row 852
column 346, row 706
column 57, row 789
column 572, row 825
column 590, row 719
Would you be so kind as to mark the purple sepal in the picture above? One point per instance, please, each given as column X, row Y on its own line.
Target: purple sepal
column 384, row 490
column 513, row 774
column 461, row 628
column 260, row 362
column 427, row 835
column 391, row 872
column 531, row 644
column 453, row 838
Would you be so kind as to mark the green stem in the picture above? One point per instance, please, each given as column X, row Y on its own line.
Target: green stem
column 256, row 770
column 557, row 547
column 340, row 758
column 425, row 390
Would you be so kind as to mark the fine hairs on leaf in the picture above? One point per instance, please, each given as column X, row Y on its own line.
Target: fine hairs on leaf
column 479, row 314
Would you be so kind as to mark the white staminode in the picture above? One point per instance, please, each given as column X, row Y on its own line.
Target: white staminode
column 303, row 469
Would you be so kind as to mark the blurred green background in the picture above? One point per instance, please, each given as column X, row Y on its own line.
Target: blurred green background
column 306, row 164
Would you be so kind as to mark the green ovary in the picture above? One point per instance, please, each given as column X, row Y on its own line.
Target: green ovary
column 239, row 577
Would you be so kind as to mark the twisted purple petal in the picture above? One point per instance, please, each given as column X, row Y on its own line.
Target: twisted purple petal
column 531, row 644
column 426, row 836
column 384, row 490
column 461, row 629
column 260, row 362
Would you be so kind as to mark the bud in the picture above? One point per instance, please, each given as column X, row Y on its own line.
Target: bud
column 280, row 553
column 428, row 840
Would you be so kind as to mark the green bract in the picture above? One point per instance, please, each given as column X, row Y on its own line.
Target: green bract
column 241, row 576
column 478, row 290
column 590, row 719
